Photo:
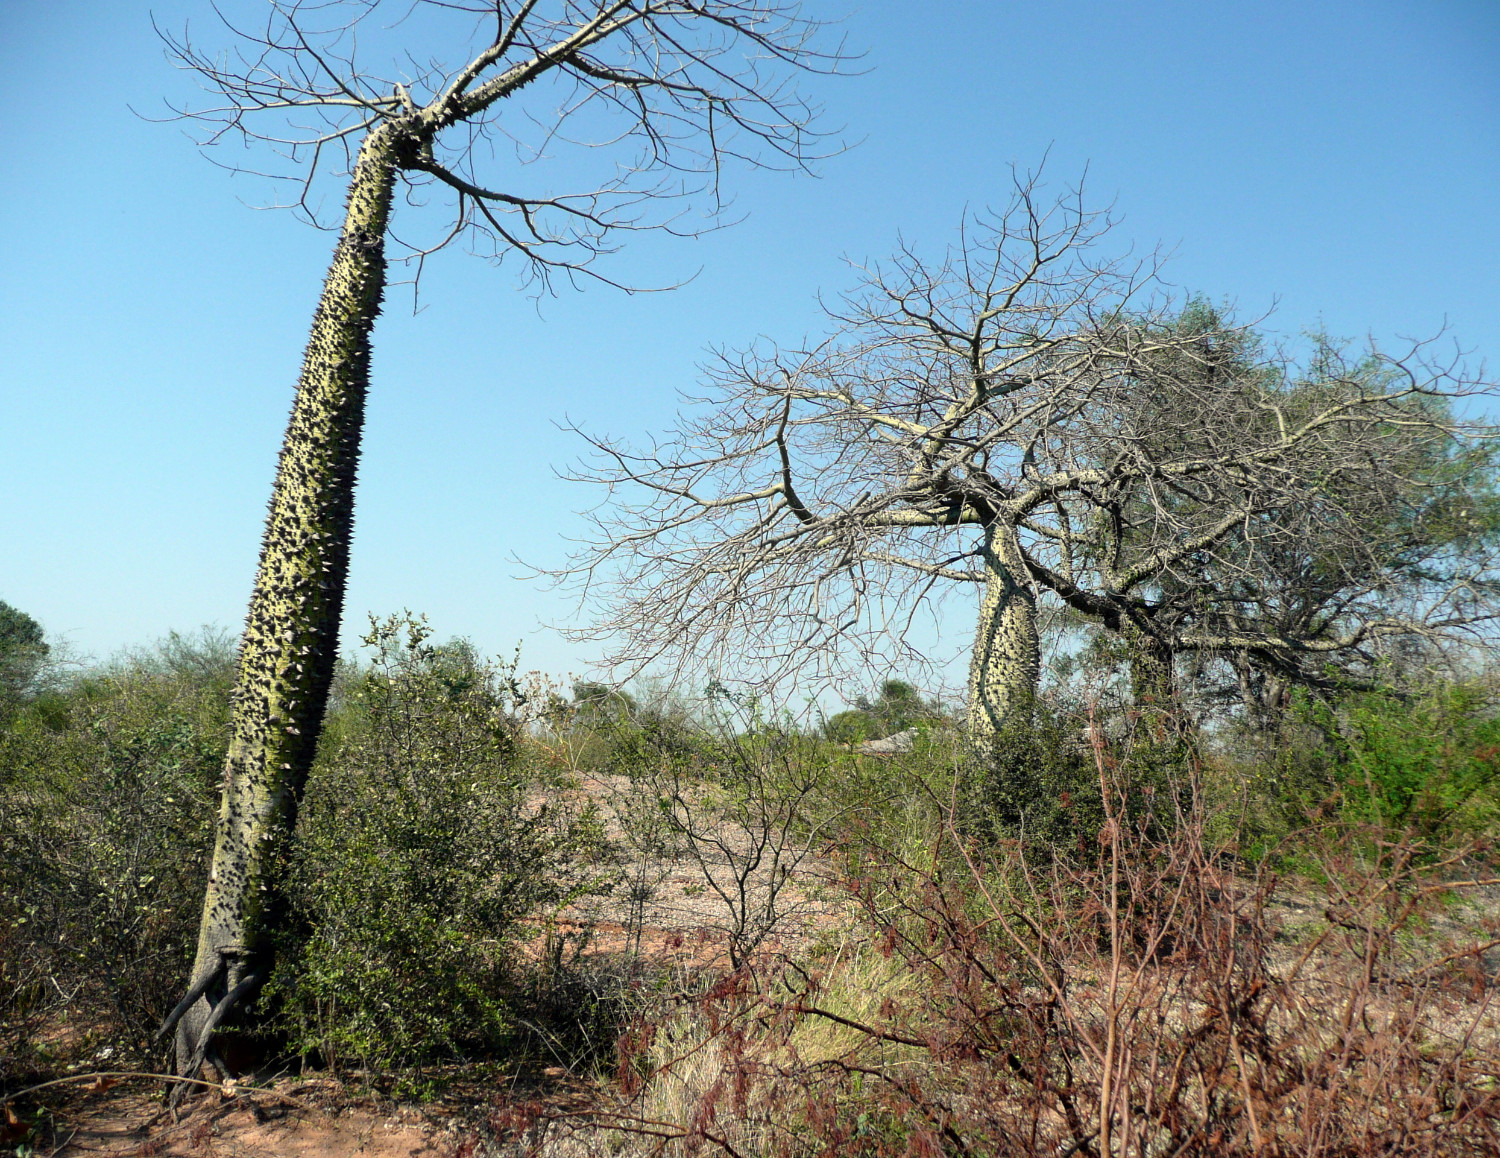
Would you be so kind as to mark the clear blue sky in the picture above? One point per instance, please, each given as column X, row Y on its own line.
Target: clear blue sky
column 1339, row 159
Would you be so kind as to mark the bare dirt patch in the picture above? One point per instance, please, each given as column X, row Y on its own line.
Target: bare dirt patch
column 677, row 903
column 246, row 1124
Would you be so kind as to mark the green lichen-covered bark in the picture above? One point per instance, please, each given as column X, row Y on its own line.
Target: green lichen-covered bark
column 291, row 633
column 1006, row 663
column 1152, row 682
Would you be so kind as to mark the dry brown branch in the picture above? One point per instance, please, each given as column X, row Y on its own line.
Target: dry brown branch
column 1142, row 998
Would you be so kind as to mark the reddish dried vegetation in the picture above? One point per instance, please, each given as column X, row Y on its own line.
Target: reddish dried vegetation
column 1155, row 998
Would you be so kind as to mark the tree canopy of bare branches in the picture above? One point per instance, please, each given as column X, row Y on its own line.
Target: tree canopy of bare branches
column 667, row 90
column 1374, row 542
column 1034, row 419
column 663, row 94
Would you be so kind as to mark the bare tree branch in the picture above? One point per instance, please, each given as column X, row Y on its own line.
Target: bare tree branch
column 1053, row 414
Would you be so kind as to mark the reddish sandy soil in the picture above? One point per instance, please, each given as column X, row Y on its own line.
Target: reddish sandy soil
column 245, row 1126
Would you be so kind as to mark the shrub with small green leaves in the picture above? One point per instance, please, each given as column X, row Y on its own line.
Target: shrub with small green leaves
column 896, row 707
column 417, row 860
column 23, row 654
column 108, row 792
column 1041, row 782
column 1425, row 763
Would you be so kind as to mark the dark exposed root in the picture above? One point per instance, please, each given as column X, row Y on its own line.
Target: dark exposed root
column 205, row 1035
column 198, row 989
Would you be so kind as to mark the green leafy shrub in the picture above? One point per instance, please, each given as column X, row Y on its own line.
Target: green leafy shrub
column 417, row 861
column 851, row 727
column 108, row 791
column 1041, row 781
column 1427, row 764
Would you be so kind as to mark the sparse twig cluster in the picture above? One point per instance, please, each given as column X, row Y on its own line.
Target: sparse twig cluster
column 684, row 87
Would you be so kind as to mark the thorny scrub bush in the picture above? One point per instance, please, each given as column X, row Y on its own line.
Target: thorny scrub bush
column 1153, row 997
column 1429, row 762
column 1418, row 759
column 108, row 788
column 417, row 861
column 1035, row 784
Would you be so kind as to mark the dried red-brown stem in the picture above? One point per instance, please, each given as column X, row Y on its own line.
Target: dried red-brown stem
column 1139, row 999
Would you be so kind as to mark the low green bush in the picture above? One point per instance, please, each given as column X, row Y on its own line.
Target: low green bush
column 418, row 860
column 1040, row 782
column 108, row 792
column 1424, row 763
column 423, row 850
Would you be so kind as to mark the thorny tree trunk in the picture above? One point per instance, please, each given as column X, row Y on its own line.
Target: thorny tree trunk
column 1006, row 662
column 1152, row 681
column 291, row 633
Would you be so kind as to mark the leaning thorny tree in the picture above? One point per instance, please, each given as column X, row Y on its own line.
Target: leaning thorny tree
column 671, row 88
column 1023, row 416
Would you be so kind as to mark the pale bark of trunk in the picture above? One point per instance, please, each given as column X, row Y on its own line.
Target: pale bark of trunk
column 291, row 633
column 1006, row 663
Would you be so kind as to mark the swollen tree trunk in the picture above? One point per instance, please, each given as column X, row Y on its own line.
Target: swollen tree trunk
column 291, row 633
column 1006, row 662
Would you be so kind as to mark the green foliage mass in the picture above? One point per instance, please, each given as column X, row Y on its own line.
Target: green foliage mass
column 23, row 651
column 1039, row 784
column 1424, row 763
column 1042, row 781
column 418, row 858
column 423, row 849
column 896, row 707
column 108, row 791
